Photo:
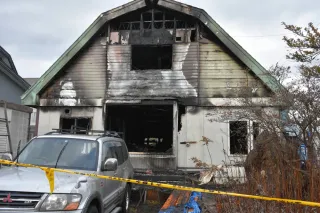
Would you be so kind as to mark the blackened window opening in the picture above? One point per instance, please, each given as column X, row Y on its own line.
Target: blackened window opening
column 145, row 128
column 75, row 125
column 151, row 57
column 238, row 133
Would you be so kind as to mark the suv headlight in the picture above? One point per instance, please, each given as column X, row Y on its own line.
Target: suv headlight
column 60, row 202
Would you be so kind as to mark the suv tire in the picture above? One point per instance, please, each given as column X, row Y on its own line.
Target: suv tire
column 125, row 205
column 93, row 209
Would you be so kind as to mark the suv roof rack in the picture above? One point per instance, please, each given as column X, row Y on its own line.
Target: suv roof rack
column 81, row 130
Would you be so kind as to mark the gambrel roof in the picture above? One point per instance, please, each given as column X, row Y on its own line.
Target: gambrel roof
column 31, row 96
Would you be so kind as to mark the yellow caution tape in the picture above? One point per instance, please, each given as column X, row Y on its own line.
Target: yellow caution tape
column 50, row 176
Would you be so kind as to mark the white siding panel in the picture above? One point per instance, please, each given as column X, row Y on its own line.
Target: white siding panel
column 3, row 140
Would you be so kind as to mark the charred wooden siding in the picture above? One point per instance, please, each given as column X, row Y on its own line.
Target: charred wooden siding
column 179, row 82
column 103, row 72
column 83, row 82
column 221, row 75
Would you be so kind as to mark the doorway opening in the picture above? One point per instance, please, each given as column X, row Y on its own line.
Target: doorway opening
column 145, row 128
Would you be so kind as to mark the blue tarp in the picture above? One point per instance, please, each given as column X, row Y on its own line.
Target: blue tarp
column 193, row 204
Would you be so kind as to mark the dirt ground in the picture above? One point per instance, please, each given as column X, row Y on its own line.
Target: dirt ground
column 150, row 206
column 146, row 208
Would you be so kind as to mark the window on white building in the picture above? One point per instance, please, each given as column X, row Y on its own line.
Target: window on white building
column 78, row 124
column 242, row 136
column 238, row 137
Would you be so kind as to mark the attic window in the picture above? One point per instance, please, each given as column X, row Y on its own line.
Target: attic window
column 151, row 57
column 147, row 20
column 158, row 20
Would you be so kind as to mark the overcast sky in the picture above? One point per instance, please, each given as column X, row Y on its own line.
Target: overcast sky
column 37, row 32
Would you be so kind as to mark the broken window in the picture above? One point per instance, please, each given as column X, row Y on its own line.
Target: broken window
column 151, row 57
column 153, row 26
column 181, row 24
column 169, row 21
column 147, row 20
column 158, row 20
column 238, row 137
column 135, row 25
column 80, row 125
column 124, row 26
column 147, row 128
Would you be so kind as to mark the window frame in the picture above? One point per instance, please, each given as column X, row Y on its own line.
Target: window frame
column 142, row 45
column 76, row 118
column 250, row 136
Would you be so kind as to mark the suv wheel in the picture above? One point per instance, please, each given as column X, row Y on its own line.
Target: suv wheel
column 93, row 209
column 126, row 200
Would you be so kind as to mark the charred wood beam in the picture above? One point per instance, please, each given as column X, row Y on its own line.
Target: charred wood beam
column 197, row 32
column 108, row 34
column 152, row 20
column 141, row 24
column 163, row 20
column 130, row 33
column 174, row 29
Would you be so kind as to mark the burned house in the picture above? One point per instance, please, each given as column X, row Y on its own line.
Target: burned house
column 159, row 73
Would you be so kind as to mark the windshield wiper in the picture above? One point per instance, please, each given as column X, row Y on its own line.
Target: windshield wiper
column 63, row 148
column 18, row 152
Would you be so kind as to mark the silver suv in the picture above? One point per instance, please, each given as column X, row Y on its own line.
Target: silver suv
column 27, row 189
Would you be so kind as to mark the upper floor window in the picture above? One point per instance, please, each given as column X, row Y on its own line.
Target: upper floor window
column 145, row 57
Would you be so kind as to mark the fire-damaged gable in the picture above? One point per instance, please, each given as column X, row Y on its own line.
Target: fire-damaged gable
column 151, row 50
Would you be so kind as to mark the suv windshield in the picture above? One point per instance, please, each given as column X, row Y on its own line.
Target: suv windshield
column 68, row 153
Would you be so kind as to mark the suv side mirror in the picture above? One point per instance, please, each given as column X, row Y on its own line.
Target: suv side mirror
column 110, row 164
column 6, row 156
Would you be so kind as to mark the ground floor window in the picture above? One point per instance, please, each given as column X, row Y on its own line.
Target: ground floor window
column 238, row 137
column 242, row 135
column 145, row 128
column 75, row 125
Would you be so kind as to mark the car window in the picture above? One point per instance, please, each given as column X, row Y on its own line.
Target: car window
column 107, row 151
column 113, row 150
column 124, row 152
column 117, row 146
column 69, row 153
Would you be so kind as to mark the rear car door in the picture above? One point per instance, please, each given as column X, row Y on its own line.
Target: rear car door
column 118, row 148
column 110, row 187
column 127, row 169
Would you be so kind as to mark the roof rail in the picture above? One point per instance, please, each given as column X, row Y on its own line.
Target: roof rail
column 112, row 134
column 80, row 130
